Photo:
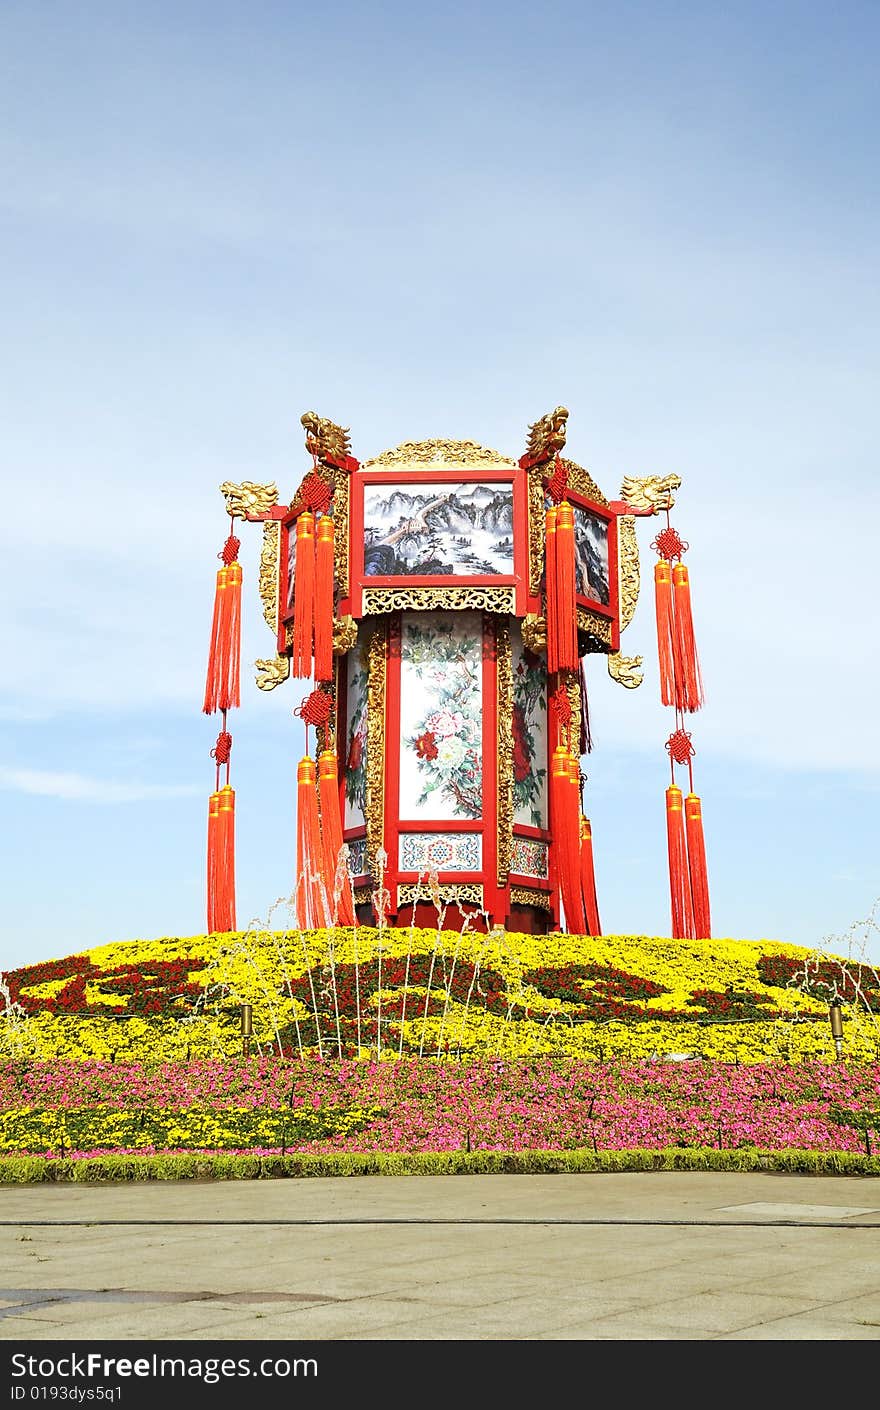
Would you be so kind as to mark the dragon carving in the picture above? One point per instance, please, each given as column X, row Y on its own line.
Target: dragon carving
column 650, row 493
column 547, row 435
column 248, row 499
column 324, row 439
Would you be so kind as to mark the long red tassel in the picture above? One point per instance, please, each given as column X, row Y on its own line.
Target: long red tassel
column 679, row 876
column 565, row 825
column 221, row 860
column 550, row 588
column 688, row 677
column 331, row 838
column 665, row 631
column 566, row 606
column 312, row 910
column 223, row 678
column 324, row 603
column 699, row 881
column 304, row 595
column 588, row 880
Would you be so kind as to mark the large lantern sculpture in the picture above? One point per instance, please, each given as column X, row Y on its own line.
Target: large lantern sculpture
column 438, row 603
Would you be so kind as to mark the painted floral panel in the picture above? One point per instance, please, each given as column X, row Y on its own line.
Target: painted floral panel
column 441, row 745
column 529, row 857
column 355, row 762
column 529, row 734
column 445, row 851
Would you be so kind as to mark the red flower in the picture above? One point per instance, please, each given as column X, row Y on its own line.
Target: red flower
column 520, row 748
column 425, row 746
column 355, row 753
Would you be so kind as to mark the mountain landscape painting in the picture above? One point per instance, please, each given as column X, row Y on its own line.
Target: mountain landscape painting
column 462, row 529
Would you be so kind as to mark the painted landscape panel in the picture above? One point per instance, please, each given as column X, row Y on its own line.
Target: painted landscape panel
column 462, row 529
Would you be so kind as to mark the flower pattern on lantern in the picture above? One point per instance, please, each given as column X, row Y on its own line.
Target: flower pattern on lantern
column 441, row 756
column 529, row 729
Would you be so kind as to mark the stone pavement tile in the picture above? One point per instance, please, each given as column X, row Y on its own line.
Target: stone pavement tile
column 714, row 1312
column 834, row 1277
column 103, row 1322
column 805, row 1329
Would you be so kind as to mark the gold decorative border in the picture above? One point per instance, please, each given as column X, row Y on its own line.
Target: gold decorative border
column 362, row 895
column 534, row 634
column 344, row 635
column 410, row 891
column 270, row 575
column 341, row 528
column 573, row 691
column 536, row 527
column 326, row 734
column 378, row 601
column 441, row 452
column 627, row 568
column 374, row 809
column 530, row 896
column 504, row 752
column 582, row 482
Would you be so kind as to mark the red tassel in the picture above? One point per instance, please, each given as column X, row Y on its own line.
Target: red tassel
column 588, row 880
column 565, row 825
column 566, row 606
column 679, row 876
column 696, row 847
column 665, row 635
column 304, row 595
column 221, row 861
column 324, row 603
column 331, row 838
column 222, row 682
column 550, row 608
column 312, row 909
column 688, row 677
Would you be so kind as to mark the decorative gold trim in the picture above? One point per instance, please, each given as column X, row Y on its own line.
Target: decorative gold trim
column 344, row 635
column 582, row 482
column 377, row 601
column 362, row 895
column 536, row 528
column 628, row 574
column 440, row 452
column 530, row 896
column 504, row 753
column 652, row 492
column 270, row 574
column 272, row 671
column 625, row 669
column 573, row 691
column 596, row 628
column 534, row 634
column 248, row 498
column 374, row 808
column 341, row 528
column 547, row 435
column 450, row 893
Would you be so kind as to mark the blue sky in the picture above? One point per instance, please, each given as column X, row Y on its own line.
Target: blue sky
column 215, row 217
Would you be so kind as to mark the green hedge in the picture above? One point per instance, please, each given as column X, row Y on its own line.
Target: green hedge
column 32, row 1170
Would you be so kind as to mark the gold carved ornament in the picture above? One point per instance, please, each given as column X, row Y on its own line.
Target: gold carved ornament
column 341, row 529
column 441, row 452
column 377, row 601
column 504, row 753
column 595, row 627
column 248, row 498
column 547, row 435
column 536, row 528
column 451, row 892
column 374, row 809
column 272, row 671
column 530, row 896
column 344, row 635
column 534, row 634
column 650, row 494
column 324, row 438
